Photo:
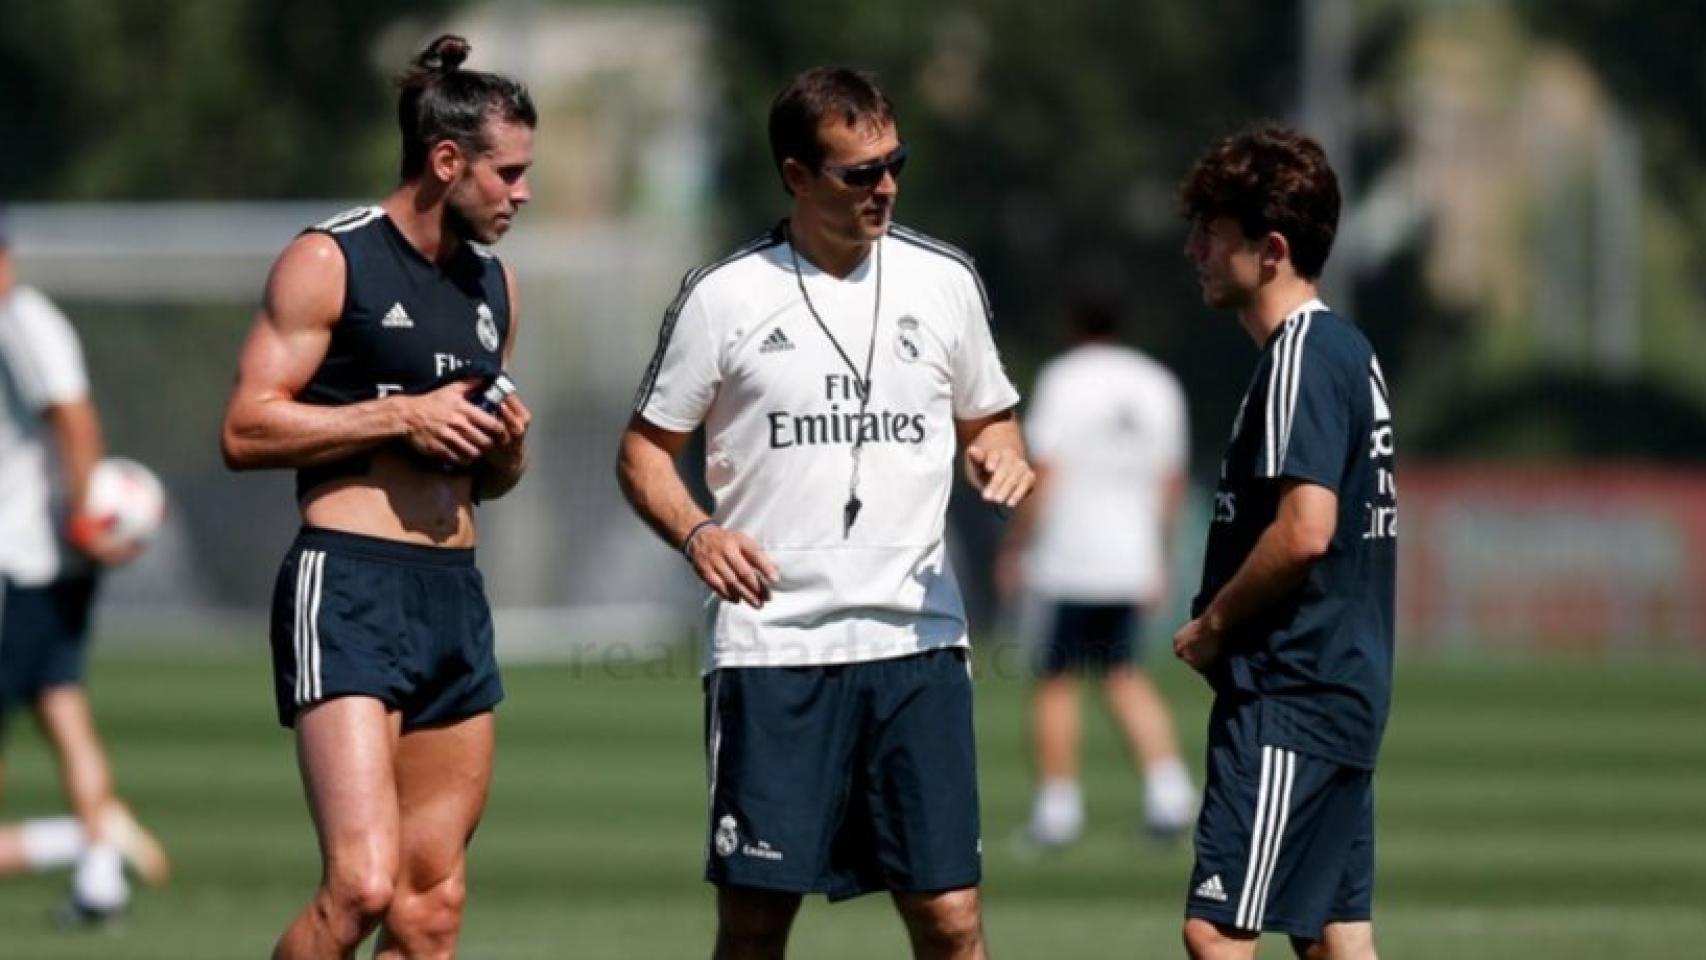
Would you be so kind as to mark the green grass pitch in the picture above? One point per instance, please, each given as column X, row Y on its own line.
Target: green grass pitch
column 1527, row 809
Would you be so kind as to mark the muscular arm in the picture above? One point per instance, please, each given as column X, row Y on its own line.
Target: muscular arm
column 729, row 561
column 265, row 426
column 995, row 458
column 1301, row 534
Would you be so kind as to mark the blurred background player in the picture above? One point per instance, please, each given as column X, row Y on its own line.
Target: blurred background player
column 1088, row 553
column 376, row 328
column 51, row 554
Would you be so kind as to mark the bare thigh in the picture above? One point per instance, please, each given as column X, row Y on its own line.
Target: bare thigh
column 443, row 774
column 345, row 750
column 443, row 777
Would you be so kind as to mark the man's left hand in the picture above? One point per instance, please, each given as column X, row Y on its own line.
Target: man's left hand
column 509, row 453
column 1001, row 475
column 89, row 536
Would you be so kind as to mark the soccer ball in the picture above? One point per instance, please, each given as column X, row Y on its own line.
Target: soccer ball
column 129, row 497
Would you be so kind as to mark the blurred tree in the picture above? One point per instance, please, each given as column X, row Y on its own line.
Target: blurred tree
column 193, row 99
column 1649, row 53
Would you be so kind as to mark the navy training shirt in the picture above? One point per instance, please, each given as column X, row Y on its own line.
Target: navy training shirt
column 1317, row 410
column 408, row 325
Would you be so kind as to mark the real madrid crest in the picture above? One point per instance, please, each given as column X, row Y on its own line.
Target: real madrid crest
column 906, row 342
column 486, row 327
column 726, row 839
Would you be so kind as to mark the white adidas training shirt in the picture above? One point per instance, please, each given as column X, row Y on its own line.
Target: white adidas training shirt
column 741, row 353
column 41, row 365
column 1109, row 424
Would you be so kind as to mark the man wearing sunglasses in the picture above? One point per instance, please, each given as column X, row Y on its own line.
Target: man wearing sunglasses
column 838, row 363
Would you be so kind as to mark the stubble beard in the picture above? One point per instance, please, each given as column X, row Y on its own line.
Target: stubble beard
column 465, row 227
column 1222, row 294
column 869, row 231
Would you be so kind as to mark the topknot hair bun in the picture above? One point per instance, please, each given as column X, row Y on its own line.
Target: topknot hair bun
column 444, row 55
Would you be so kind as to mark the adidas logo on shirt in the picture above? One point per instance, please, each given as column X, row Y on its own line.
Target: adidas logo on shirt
column 775, row 342
column 1212, row 889
column 397, row 317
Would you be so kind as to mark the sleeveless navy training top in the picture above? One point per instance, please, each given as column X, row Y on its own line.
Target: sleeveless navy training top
column 408, row 325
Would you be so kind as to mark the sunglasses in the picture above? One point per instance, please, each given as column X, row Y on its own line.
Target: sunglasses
column 870, row 173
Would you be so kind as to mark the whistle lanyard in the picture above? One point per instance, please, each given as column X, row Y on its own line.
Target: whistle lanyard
column 850, row 510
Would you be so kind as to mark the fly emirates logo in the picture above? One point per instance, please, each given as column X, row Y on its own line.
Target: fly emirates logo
column 840, row 423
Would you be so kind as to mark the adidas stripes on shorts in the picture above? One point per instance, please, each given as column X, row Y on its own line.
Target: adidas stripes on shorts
column 1285, row 840
column 360, row 616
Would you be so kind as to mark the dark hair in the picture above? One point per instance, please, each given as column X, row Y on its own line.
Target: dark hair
column 819, row 93
column 1269, row 178
column 441, row 101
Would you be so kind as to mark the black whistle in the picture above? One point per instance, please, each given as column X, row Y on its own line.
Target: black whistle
column 849, row 513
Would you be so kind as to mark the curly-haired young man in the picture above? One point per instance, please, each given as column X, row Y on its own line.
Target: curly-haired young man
column 1293, row 624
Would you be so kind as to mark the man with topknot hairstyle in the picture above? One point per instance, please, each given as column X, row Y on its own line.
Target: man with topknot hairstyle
column 379, row 329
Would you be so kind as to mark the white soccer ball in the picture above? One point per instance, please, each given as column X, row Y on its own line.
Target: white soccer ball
column 131, row 496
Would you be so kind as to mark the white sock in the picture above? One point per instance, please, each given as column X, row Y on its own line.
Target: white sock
column 99, row 882
column 50, row 842
column 1168, row 796
column 1058, row 814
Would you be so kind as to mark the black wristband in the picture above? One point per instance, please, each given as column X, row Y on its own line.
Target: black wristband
column 687, row 544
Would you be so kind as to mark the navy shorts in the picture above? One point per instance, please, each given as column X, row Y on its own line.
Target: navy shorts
column 1285, row 841
column 844, row 779
column 405, row 624
column 1074, row 635
column 44, row 635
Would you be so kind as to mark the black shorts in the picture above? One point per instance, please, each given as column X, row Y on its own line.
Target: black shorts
column 44, row 636
column 1285, row 841
column 844, row 779
column 1076, row 635
column 405, row 624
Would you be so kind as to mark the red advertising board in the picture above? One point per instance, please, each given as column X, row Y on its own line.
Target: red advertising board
column 1608, row 559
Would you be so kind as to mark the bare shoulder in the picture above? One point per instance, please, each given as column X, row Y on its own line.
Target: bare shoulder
column 307, row 282
column 312, row 255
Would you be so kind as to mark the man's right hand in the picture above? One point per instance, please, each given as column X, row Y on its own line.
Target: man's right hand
column 732, row 565
column 445, row 426
column 1199, row 643
column 88, row 535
